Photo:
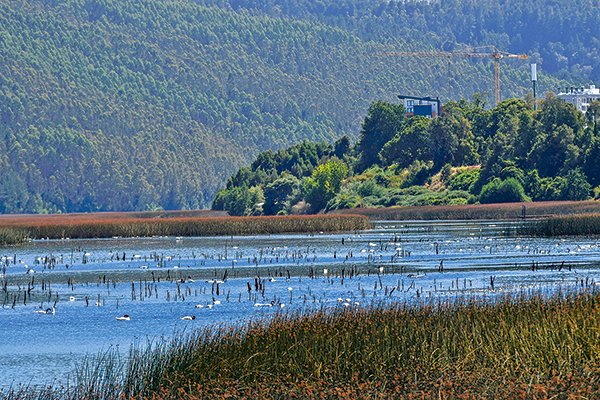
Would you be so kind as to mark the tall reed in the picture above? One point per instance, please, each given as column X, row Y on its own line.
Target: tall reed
column 582, row 225
column 505, row 211
column 490, row 348
column 81, row 227
column 12, row 235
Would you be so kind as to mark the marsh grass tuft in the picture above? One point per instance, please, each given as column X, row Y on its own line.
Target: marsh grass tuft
column 12, row 235
column 565, row 225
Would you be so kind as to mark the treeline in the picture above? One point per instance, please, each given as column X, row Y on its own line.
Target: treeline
column 517, row 151
column 135, row 105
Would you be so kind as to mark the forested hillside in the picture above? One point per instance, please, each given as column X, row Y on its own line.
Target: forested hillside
column 122, row 104
column 561, row 35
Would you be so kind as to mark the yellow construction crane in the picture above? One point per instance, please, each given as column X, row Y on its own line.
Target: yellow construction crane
column 496, row 55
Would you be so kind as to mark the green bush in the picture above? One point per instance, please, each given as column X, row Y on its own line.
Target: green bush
column 499, row 191
column 464, row 180
column 576, row 186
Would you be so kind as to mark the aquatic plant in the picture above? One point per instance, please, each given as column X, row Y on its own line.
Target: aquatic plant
column 564, row 225
column 99, row 225
column 12, row 236
column 505, row 211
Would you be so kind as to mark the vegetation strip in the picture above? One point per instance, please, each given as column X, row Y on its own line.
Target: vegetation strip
column 506, row 211
column 67, row 227
column 527, row 345
column 563, row 225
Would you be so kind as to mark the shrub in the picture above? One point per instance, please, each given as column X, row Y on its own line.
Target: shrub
column 576, row 186
column 464, row 180
column 499, row 191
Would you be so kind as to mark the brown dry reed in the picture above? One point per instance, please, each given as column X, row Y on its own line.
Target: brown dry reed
column 565, row 225
column 506, row 211
column 101, row 226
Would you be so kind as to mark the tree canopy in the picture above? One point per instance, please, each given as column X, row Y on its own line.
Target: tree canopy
column 510, row 153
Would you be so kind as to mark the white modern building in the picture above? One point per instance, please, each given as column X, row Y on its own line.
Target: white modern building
column 580, row 97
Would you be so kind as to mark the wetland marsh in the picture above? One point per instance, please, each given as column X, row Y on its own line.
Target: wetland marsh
column 61, row 298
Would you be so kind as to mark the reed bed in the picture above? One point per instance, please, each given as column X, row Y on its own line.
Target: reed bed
column 11, row 235
column 516, row 346
column 566, row 225
column 505, row 211
column 89, row 227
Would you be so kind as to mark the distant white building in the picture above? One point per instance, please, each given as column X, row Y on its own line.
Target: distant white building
column 580, row 97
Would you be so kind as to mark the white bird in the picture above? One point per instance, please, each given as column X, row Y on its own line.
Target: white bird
column 188, row 318
column 199, row 306
column 72, row 298
column 124, row 318
column 47, row 311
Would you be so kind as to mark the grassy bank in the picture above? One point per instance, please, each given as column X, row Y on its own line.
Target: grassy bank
column 564, row 225
column 505, row 211
column 520, row 346
column 100, row 226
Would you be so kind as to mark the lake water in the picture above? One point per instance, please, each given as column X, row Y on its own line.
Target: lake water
column 158, row 281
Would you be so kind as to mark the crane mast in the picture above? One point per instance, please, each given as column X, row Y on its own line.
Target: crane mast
column 495, row 55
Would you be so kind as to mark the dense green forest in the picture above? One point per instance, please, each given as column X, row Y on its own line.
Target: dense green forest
column 133, row 105
column 513, row 152
column 562, row 35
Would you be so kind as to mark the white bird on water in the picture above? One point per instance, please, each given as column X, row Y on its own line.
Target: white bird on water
column 124, row 318
column 188, row 318
column 47, row 311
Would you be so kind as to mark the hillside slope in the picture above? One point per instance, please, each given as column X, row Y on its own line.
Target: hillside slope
column 132, row 105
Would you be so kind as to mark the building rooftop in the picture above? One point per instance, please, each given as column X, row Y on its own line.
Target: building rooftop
column 580, row 97
column 583, row 91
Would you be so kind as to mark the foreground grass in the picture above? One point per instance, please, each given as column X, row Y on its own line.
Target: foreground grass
column 506, row 211
column 103, row 226
column 583, row 225
column 518, row 346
